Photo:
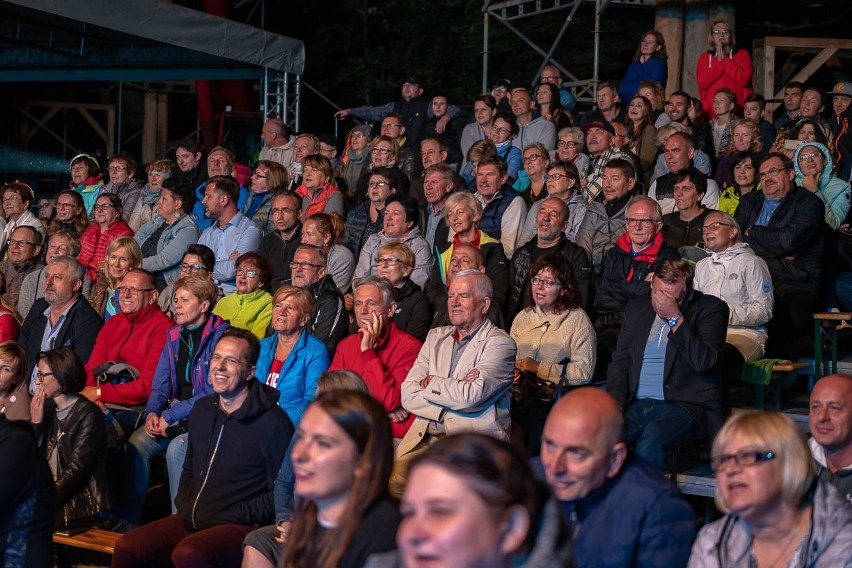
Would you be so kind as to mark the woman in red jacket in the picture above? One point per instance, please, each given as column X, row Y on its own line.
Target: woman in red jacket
column 723, row 66
column 108, row 226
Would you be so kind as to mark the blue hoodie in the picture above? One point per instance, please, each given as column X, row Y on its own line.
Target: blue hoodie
column 833, row 191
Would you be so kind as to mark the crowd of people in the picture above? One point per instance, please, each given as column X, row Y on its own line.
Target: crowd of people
column 381, row 354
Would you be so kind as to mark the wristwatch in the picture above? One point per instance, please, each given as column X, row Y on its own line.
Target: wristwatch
column 672, row 321
column 98, row 393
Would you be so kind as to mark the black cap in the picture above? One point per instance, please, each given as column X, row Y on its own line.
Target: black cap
column 414, row 80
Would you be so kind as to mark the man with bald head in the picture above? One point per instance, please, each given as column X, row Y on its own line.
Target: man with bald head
column 622, row 511
column 464, row 257
column 830, row 421
column 277, row 142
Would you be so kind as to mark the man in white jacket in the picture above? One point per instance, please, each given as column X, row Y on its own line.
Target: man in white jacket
column 735, row 274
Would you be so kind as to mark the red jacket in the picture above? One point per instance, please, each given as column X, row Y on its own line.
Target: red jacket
column 136, row 339
column 733, row 72
column 10, row 328
column 383, row 369
column 93, row 245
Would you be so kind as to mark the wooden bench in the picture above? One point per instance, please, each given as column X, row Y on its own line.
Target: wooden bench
column 773, row 389
column 825, row 334
column 93, row 539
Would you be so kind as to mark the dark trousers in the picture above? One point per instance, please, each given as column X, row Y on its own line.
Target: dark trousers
column 168, row 543
column 656, row 426
column 791, row 327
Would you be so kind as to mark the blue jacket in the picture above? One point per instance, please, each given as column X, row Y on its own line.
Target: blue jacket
column 655, row 69
column 165, row 382
column 297, row 383
column 638, row 518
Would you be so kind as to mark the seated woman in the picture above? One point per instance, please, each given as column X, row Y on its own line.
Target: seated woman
column 384, row 154
column 86, row 180
column 654, row 92
column 291, row 359
column 569, row 148
column 198, row 259
column 365, row 219
column 268, row 178
column 342, row 457
column 777, row 513
column 318, row 192
column 108, row 226
column 123, row 182
column 815, row 172
column 685, row 227
column 493, row 512
column 181, row 378
column 550, row 107
column 395, row 261
column 146, row 208
column 71, row 215
column 18, row 197
column 555, row 338
column 14, row 394
column 164, row 239
column 503, row 131
column 399, row 224
column 72, row 433
column 745, row 137
column 479, row 150
column 531, row 183
column 10, row 319
column 643, row 135
column 250, row 306
column 744, row 168
column 122, row 256
column 325, row 230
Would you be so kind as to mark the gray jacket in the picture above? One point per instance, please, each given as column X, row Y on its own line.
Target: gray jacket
column 171, row 246
column 598, row 233
column 726, row 543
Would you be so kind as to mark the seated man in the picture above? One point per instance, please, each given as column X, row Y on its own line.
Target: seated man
column 630, row 515
column 220, row 162
column 244, row 429
column 602, row 150
column 280, row 245
column 380, row 352
column 830, row 421
column 464, row 257
column 552, row 219
column 734, row 274
column 24, row 247
column 678, row 153
column 503, row 209
column 438, row 183
column 663, row 373
column 329, row 322
column 462, row 378
column 136, row 337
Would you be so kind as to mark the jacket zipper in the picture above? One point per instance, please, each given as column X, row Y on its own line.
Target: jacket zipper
column 206, row 475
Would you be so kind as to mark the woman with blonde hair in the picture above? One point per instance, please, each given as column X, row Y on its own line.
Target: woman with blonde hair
column 777, row 513
column 745, row 137
column 122, row 255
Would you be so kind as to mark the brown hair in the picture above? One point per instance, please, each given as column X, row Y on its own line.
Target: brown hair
column 569, row 297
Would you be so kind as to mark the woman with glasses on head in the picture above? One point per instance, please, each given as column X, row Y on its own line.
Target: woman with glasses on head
column 198, row 259
column 72, row 433
column 503, row 131
column 18, row 197
column 318, row 192
column 395, row 261
column 146, row 208
column 384, row 154
column 122, row 256
column 531, row 184
column 108, row 226
column 777, row 513
column 569, row 148
column 250, row 306
column 268, row 178
column 164, row 239
column 71, row 215
column 121, row 170
column 326, row 231
column 86, row 180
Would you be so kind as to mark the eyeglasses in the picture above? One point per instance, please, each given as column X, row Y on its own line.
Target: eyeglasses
column 12, row 198
column 102, row 206
column 536, row 281
column 500, row 129
column 193, row 268
column 257, row 175
column 282, row 211
column 386, row 260
column 391, row 125
column 17, row 243
column 381, row 151
column 548, row 78
column 742, row 458
column 304, row 265
column 714, row 227
column 249, row 273
column 531, row 159
column 60, row 205
column 640, row 222
column 379, row 184
column 40, row 376
column 721, row 32
column 771, row 172
column 802, row 157
column 554, row 177
column 116, row 168
column 567, row 144
column 130, row 291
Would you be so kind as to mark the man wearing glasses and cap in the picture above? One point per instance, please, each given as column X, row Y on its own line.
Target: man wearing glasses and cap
column 841, row 102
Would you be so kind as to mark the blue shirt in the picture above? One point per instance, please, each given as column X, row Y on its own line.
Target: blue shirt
column 769, row 207
column 239, row 235
column 654, row 362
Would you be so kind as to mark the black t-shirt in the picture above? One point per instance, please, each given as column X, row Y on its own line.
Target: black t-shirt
column 376, row 533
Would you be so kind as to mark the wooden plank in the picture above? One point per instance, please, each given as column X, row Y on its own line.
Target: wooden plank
column 93, row 539
column 42, row 122
column 805, row 73
column 798, row 42
column 93, row 123
column 833, row 316
column 769, row 74
column 87, row 106
column 788, row 367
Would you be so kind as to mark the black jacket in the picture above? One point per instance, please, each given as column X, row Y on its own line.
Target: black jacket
column 496, row 268
column 329, row 320
column 522, row 259
column 791, row 244
column 79, row 444
column 413, row 313
column 78, row 332
column 232, row 460
column 690, row 375
column 280, row 253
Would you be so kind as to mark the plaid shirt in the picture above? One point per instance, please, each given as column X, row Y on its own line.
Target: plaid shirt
column 594, row 184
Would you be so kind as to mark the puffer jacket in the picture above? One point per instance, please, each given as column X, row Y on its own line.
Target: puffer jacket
column 727, row 542
column 94, row 242
column 252, row 311
column 833, row 191
column 79, row 445
column 128, row 192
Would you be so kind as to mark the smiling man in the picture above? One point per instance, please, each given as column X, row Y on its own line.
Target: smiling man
column 830, row 421
column 24, row 247
column 629, row 514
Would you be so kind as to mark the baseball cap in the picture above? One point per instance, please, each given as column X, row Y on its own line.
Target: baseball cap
column 842, row 88
column 413, row 79
column 598, row 124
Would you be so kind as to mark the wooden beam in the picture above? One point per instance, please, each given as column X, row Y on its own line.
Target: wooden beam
column 93, row 123
column 149, row 128
column 86, row 106
column 808, row 69
column 110, row 130
column 43, row 121
column 799, row 42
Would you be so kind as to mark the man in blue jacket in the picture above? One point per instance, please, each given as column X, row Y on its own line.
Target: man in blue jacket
column 622, row 511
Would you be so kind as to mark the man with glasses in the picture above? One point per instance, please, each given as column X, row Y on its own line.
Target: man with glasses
column 663, row 372
column 24, row 246
column 552, row 74
column 784, row 223
column 531, row 129
column 393, row 126
column 329, row 321
column 133, row 339
column 379, row 351
column 280, row 245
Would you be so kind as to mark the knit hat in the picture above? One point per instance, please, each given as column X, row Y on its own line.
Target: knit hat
column 365, row 130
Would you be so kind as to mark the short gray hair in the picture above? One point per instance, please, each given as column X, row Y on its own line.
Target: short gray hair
column 655, row 205
column 319, row 251
column 482, row 283
column 383, row 284
column 75, row 269
column 726, row 218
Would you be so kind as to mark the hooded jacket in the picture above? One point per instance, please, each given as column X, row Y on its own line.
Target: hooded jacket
column 232, row 460
column 329, row 321
column 733, row 72
column 727, row 542
column 413, row 239
column 252, row 311
column 834, row 192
